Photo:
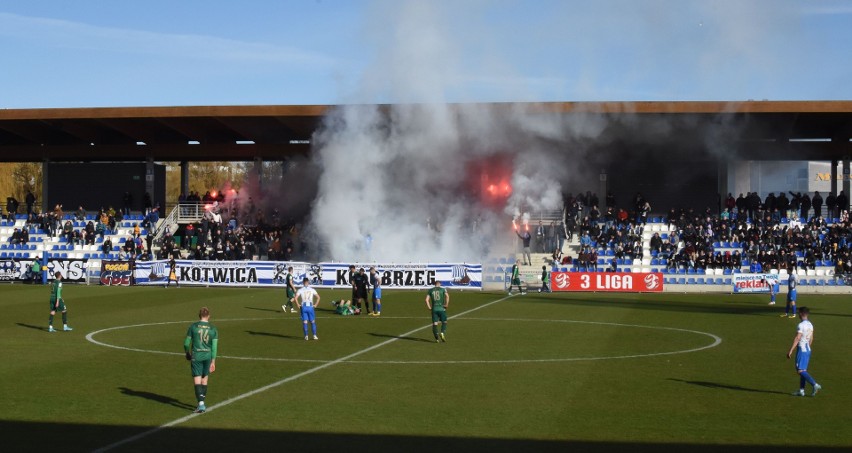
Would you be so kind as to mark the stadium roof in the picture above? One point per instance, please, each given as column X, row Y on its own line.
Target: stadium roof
column 796, row 130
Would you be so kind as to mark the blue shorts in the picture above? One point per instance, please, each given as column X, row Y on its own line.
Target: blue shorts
column 802, row 359
column 308, row 314
column 791, row 296
column 377, row 293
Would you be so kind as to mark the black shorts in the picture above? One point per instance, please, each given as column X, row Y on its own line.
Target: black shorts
column 361, row 293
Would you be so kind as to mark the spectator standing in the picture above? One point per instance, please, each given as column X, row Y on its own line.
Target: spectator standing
column 539, row 237
column 842, row 202
column 830, row 204
column 805, row 204
column 30, row 200
column 817, row 204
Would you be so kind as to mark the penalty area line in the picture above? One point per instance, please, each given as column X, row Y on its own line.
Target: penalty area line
column 294, row 377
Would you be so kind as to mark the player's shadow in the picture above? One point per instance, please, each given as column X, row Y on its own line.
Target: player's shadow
column 716, row 385
column 30, row 326
column 264, row 309
column 270, row 334
column 156, row 398
column 398, row 337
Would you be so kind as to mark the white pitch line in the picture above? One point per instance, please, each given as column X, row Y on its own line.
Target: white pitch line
column 280, row 382
column 716, row 342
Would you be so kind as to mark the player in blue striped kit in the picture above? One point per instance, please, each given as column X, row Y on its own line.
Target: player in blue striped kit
column 305, row 301
column 376, row 283
column 792, row 280
column 802, row 345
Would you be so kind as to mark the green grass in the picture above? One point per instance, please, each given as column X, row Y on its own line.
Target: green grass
column 541, row 372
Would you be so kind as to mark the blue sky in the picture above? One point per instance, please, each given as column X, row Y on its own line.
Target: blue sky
column 110, row 53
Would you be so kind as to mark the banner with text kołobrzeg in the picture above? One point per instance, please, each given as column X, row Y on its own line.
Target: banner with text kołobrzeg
column 322, row 275
column 756, row 283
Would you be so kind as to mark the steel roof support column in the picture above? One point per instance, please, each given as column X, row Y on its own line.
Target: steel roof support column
column 44, row 183
column 845, row 181
column 834, row 177
column 149, row 180
column 184, row 178
column 258, row 168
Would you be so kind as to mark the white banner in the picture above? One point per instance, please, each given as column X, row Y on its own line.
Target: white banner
column 755, row 283
column 322, row 275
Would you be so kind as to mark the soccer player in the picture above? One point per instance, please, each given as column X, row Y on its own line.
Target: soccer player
column 200, row 345
column 57, row 304
column 172, row 273
column 375, row 281
column 307, row 294
column 791, row 294
column 437, row 300
column 545, row 280
column 803, row 341
column 772, row 290
column 516, row 278
column 291, row 291
column 343, row 307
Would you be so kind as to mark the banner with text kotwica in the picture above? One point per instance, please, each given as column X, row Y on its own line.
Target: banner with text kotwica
column 321, row 275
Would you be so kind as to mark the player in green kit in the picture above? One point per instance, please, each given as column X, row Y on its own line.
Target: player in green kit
column 516, row 279
column 437, row 300
column 57, row 304
column 291, row 291
column 200, row 345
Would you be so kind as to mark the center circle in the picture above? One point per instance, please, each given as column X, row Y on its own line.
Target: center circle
column 716, row 340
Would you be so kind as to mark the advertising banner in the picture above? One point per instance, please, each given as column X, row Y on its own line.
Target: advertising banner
column 756, row 283
column 607, row 281
column 322, row 275
column 116, row 273
column 73, row 270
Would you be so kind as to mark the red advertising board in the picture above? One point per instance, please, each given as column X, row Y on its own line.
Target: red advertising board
column 627, row 282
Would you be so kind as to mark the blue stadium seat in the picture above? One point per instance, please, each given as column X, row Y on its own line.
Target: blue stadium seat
column 719, row 281
column 681, row 281
column 3, row 255
column 728, row 281
column 699, row 280
column 63, row 255
column 690, row 271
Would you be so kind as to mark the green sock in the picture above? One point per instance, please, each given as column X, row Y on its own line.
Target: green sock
column 435, row 330
column 64, row 317
column 203, row 391
column 50, row 322
column 443, row 327
column 199, row 393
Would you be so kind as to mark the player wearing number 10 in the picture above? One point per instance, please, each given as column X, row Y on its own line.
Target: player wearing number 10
column 437, row 300
column 200, row 345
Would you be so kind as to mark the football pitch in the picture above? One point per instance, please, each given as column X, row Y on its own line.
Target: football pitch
column 530, row 373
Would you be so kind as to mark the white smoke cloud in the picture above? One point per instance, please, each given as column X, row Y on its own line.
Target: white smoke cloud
column 394, row 183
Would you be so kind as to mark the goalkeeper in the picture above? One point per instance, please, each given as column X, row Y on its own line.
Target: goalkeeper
column 57, row 304
column 202, row 340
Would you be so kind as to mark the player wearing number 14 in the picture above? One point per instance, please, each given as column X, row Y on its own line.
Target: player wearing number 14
column 437, row 300
column 200, row 345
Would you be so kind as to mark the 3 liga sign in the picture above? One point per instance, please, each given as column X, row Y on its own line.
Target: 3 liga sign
column 607, row 281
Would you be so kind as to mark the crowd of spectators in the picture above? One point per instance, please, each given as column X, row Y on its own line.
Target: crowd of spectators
column 617, row 229
column 765, row 234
